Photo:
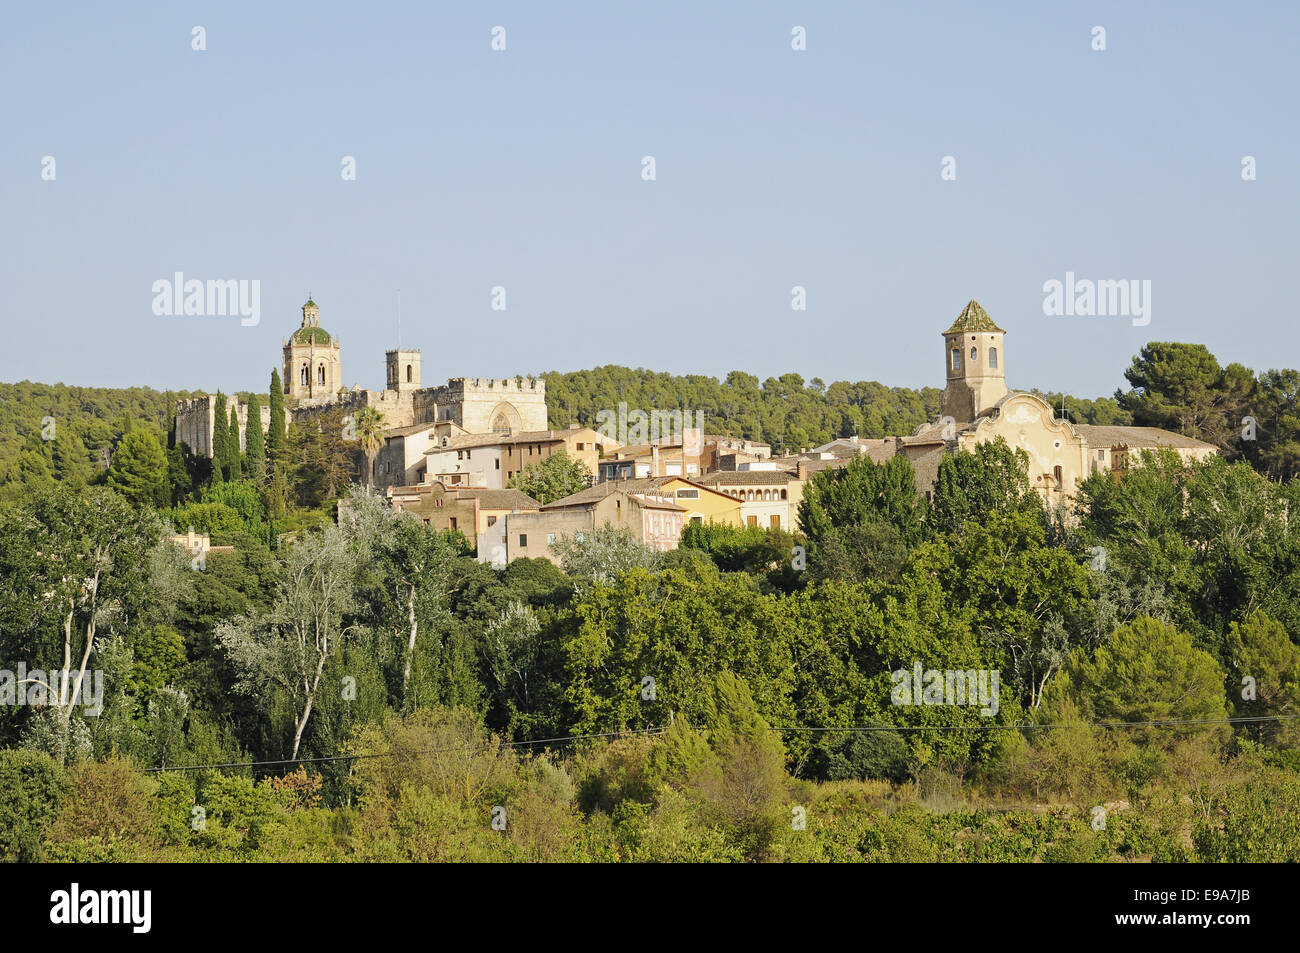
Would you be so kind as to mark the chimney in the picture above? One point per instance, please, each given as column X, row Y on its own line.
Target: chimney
column 654, row 460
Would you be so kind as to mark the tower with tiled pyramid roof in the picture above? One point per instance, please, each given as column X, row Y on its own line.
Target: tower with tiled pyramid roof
column 975, row 365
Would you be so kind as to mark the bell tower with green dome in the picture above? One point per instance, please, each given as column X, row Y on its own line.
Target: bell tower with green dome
column 313, row 361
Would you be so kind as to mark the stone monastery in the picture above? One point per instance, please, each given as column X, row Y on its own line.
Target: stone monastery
column 312, row 376
column 450, row 452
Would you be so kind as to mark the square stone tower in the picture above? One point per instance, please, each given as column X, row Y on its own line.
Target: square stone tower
column 403, row 369
column 975, row 365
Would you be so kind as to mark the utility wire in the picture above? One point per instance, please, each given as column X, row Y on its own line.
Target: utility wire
column 991, row 726
column 390, row 754
column 1027, row 726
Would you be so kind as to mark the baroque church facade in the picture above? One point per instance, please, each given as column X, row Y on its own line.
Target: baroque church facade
column 977, row 407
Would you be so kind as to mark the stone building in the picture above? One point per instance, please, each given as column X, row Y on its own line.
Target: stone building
column 651, row 515
column 196, row 417
column 313, row 361
column 312, row 378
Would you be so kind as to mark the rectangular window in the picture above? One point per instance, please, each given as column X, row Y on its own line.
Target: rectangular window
column 492, row 521
column 498, row 462
column 751, row 520
column 523, row 540
column 453, row 521
column 688, row 494
column 993, row 357
column 1101, row 454
column 550, row 539
column 776, row 521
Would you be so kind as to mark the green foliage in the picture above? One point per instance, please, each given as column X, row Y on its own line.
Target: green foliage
column 139, row 469
column 992, row 480
column 765, row 552
column 255, row 442
column 276, row 438
column 861, row 520
column 31, row 788
column 554, row 478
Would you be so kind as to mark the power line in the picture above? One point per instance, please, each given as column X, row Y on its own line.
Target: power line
column 391, row 754
column 1026, row 726
column 989, row 726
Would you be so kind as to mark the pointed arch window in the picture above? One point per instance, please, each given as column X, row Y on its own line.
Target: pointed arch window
column 974, row 356
column 303, row 377
column 320, row 374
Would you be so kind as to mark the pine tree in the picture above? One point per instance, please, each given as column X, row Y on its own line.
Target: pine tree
column 220, row 431
column 233, row 469
column 275, row 435
column 255, row 441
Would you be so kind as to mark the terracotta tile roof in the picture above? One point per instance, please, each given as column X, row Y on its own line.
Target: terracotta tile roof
column 748, row 477
column 1138, row 438
column 489, row 499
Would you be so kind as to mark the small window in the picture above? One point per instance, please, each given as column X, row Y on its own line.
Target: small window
column 492, row 521
column 320, row 374
column 956, row 359
column 550, row 539
column 993, row 357
column 1060, row 479
column 582, row 537
column 453, row 521
column 523, row 539
column 1101, row 454
column 408, row 373
column 974, row 356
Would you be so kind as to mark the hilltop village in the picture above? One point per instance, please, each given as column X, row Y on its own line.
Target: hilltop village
column 450, row 452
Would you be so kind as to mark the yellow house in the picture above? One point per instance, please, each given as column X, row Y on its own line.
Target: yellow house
column 702, row 504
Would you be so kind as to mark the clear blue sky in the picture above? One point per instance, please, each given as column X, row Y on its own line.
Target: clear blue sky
column 522, row 169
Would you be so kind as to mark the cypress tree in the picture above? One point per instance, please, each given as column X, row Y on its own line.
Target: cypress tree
column 234, row 470
column 220, row 431
column 255, row 442
column 275, row 435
